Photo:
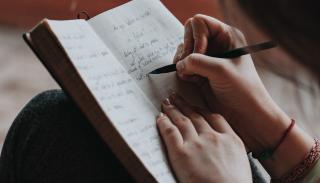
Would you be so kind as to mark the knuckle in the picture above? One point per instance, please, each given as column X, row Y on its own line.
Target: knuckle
column 198, row 145
column 188, row 21
column 195, row 116
column 216, row 117
column 212, row 137
column 198, row 16
column 193, row 59
column 169, row 131
column 182, row 153
column 184, row 120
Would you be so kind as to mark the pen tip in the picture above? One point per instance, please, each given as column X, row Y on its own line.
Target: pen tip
column 153, row 72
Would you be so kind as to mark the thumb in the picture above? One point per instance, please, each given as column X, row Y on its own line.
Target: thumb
column 202, row 65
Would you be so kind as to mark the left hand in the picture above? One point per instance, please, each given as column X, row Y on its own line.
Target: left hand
column 201, row 146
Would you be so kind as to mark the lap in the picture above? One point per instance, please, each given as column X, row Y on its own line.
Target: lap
column 51, row 141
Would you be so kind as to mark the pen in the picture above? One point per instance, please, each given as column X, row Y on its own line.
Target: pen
column 229, row 54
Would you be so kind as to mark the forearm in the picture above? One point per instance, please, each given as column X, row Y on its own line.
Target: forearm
column 290, row 153
column 265, row 133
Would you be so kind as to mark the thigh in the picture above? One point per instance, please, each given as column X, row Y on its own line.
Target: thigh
column 51, row 141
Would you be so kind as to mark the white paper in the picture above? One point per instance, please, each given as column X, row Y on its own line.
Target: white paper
column 143, row 35
column 117, row 93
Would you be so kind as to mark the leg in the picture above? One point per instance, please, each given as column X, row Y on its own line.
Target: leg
column 51, row 141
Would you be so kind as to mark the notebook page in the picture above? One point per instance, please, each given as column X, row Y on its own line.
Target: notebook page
column 143, row 35
column 132, row 114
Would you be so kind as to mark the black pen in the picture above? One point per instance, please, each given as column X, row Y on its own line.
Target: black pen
column 229, row 54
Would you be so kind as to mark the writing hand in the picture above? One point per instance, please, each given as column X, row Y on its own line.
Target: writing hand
column 233, row 88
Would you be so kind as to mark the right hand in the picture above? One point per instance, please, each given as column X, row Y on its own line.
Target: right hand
column 231, row 87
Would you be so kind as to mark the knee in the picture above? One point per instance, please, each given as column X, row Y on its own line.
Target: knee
column 49, row 106
column 47, row 114
column 47, row 109
column 43, row 122
column 32, row 118
column 48, row 102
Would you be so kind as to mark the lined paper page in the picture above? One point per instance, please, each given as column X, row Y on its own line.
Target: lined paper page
column 132, row 114
column 143, row 35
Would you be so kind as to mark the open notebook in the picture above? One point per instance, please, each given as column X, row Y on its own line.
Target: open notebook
column 103, row 63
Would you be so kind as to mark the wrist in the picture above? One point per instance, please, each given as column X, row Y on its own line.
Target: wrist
column 266, row 124
column 273, row 123
column 289, row 154
column 266, row 129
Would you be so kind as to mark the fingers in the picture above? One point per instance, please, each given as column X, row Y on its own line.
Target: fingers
column 200, row 124
column 200, row 35
column 169, row 132
column 188, row 38
column 195, row 36
column 217, row 122
column 202, row 65
column 189, row 122
column 182, row 122
column 200, row 29
column 219, row 33
column 214, row 26
column 178, row 55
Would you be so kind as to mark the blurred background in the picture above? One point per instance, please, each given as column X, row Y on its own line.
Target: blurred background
column 22, row 76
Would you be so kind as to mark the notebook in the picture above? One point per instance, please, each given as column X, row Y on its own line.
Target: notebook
column 102, row 64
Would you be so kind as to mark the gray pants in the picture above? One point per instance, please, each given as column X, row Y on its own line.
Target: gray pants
column 51, row 141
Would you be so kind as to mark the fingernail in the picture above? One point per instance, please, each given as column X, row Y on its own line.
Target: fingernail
column 161, row 115
column 180, row 66
column 173, row 96
column 167, row 101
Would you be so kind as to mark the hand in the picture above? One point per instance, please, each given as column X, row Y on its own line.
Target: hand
column 201, row 147
column 233, row 88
